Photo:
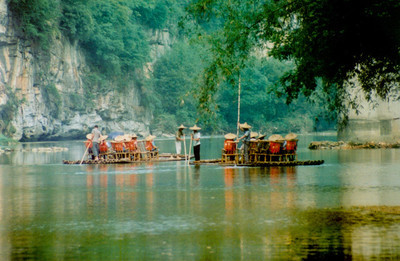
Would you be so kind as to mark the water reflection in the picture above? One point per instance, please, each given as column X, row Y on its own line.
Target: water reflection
column 344, row 209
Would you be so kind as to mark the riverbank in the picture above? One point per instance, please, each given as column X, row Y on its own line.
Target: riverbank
column 341, row 145
column 40, row 149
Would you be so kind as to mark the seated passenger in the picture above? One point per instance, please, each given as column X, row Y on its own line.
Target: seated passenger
column 291, row 142
column 261, row 137
column 275, row 143
column 229, row 143
column 89, row 145
column 103, row 144
column 131, row 142
column 150, row 145
column 262, row 146
column 118, row 143
column 253, row 136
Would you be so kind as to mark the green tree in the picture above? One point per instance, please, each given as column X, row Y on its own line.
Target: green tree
column 77, row 20
column 260, row 105
column 174, row 77
column 331, row 41
column 37, row 19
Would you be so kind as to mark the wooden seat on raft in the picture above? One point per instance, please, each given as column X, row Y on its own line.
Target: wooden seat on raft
column 229, row 152
column 103, row 150
column 145, row 154
column 119, row 150
column 89, row 147
column 253, row 151
column 275, row 148
column 262, row 152
column 289, row 152
column 132, row 149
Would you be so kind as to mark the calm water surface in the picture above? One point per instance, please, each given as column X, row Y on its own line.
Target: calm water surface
column 170, row 211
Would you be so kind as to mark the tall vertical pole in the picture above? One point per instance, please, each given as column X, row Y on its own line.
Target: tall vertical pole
column 184, row 145
column 238, row 118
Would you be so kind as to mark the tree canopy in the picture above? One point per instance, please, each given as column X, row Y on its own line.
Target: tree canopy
column 116, row 38
column 335, row 41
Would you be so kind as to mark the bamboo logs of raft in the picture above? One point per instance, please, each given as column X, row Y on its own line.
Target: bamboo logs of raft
column 260, row 164
column 113, row 160
column 276, row 151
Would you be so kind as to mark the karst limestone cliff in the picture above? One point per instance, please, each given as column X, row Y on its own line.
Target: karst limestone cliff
column 42, row 93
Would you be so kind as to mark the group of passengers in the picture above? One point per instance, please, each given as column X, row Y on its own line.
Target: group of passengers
column 276, row 144
column 97, row 142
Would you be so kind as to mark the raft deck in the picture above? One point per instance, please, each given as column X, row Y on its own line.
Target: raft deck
column 261, row 164
column 161, row 158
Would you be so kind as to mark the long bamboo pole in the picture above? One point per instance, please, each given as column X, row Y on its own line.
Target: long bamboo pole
column 238, row 118
column 184, row 145
column 190, row 149
column 84, row 154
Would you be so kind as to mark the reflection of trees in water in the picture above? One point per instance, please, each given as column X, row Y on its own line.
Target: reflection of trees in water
column 238, row 213
column 344, row 234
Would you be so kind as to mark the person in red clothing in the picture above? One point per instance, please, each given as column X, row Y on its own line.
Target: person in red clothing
column 229, row 143
column 89, row 145
column 133, row 142
column 150, row 145
column 103, row 144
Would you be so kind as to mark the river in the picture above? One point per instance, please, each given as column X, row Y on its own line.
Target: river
column 347, row 208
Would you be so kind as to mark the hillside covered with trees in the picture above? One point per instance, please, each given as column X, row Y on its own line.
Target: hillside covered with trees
column 114, row 35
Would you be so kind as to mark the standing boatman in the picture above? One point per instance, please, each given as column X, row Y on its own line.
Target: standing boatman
column 179, row 137
column 196, row 141
column 246, row 140
column 96, row 139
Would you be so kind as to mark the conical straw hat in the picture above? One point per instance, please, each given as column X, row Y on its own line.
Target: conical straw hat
column 103, row 137
column 89, row 136
column 120, row 138
column 244, row 126
column 181, row 127
column 230, row 136
column 261, row 136
column 195, row 127
column 275, row 137
column 291, row 136
column 253, row 134
column 133, row 135
column 150, row 137
column 127, row 137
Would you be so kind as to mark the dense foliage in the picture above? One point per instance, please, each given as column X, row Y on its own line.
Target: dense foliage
column 113, row 32
column 176, row 77
column 115, row 35
column 330, row 40
column 38, row 18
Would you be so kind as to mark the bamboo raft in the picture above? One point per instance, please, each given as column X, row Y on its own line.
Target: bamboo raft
column 259, row 164
column 164, row 157
column 261, row 153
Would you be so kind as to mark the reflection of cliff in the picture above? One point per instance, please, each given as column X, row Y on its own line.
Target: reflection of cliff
column 184, row 214
column 288, row 231
column 370, row 177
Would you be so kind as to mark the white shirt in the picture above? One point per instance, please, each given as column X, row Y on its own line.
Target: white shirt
column 96, row 135
column 196, row 136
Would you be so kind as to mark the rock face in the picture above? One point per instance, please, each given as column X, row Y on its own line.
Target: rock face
column 375, row 122
column 43, row 92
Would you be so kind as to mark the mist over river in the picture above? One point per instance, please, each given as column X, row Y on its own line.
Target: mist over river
column 347, row 208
